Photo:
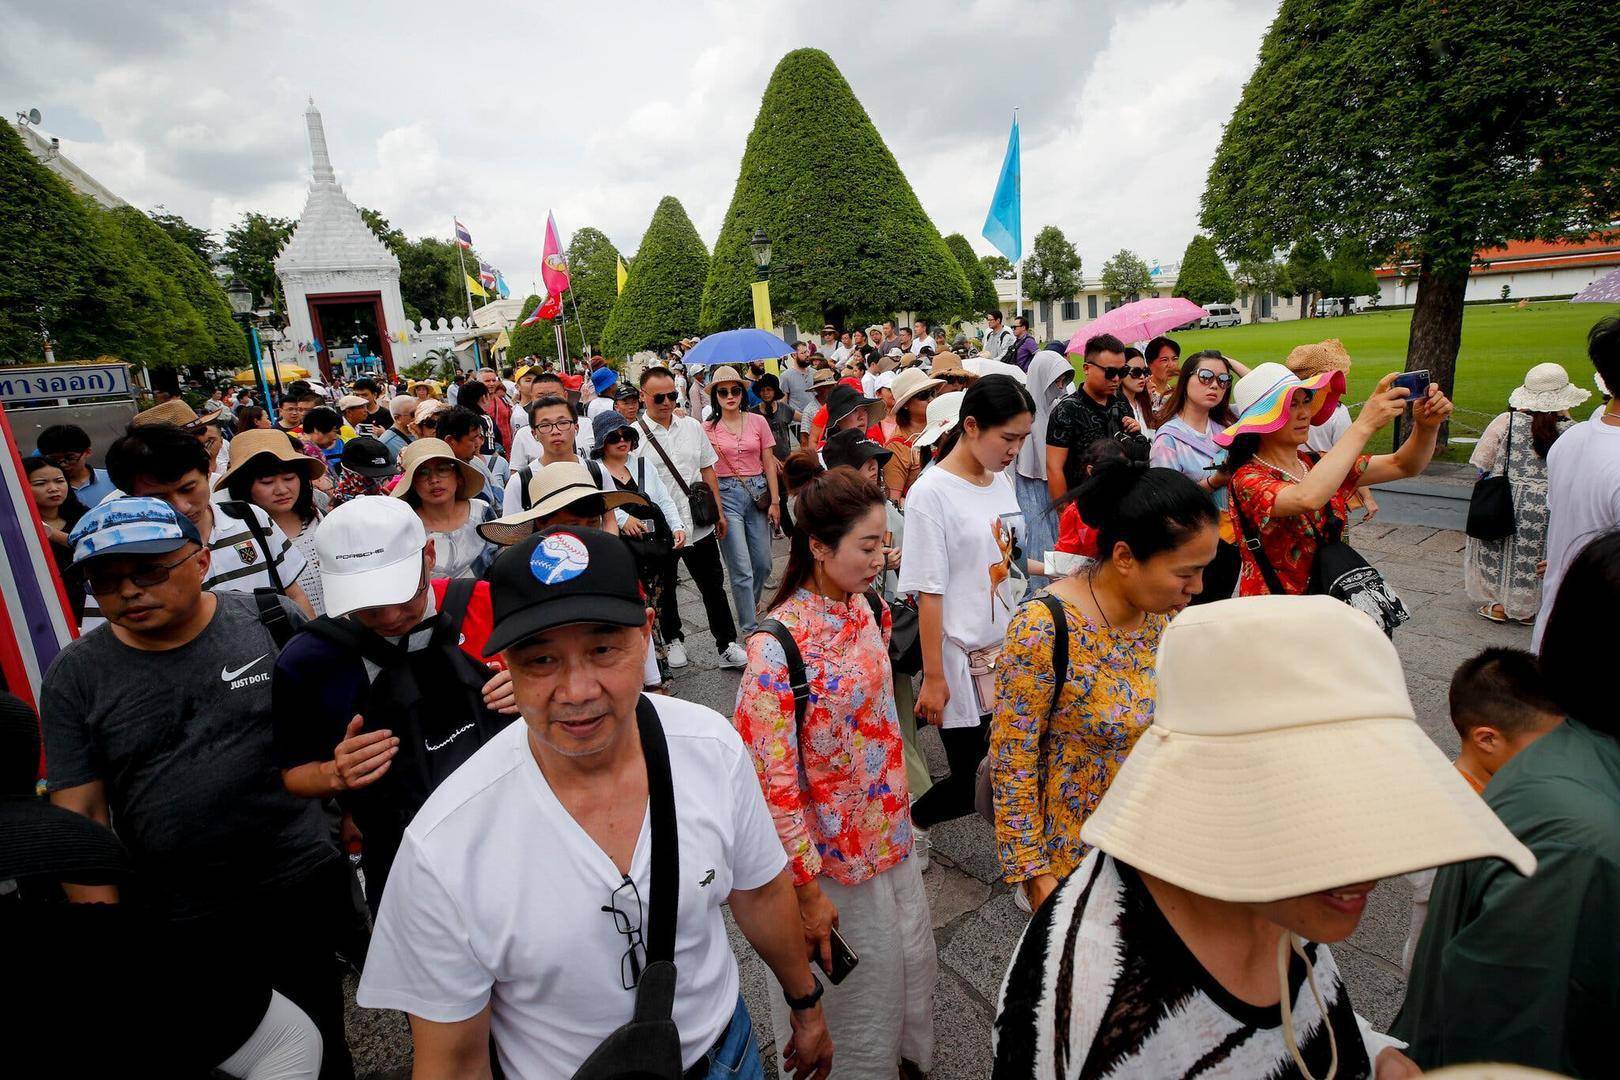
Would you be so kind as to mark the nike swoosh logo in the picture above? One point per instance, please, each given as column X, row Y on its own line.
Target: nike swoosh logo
column 451, row 739
column 226, row 674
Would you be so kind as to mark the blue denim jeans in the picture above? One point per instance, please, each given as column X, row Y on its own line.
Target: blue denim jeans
column 737, row 1055
column 1040, row 523
column 746, row 547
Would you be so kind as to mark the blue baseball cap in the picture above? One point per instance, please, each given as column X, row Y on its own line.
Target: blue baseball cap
column 132, row 525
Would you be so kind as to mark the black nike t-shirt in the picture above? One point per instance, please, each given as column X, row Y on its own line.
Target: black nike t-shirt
column 183, row 741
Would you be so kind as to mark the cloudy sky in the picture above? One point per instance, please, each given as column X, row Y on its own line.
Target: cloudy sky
column 496, row 112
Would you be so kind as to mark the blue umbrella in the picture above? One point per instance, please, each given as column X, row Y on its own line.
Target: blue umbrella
column 737, row 347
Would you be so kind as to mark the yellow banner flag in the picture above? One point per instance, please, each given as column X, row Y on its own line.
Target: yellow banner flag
column 624, row 275
column 474, row 287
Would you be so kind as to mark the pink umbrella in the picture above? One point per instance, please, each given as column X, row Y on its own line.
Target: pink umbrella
column 1139, row 321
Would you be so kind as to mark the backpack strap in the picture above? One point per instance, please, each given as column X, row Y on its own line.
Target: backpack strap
column 797, row 679
column 243, row 512
column 595, row 469
column 457, row 596
column 1060, row 647
column 665, row 880
column 273, row 616
column 875, row 602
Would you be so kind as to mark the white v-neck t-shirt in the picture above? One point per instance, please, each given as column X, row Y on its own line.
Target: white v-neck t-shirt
column 497, row 893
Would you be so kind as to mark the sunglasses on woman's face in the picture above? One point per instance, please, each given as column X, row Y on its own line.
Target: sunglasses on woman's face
column 1138, row 372
column 623, row 435
column 729, row 392
column 1213, row 378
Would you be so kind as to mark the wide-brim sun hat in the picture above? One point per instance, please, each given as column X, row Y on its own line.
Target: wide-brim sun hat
column 427, row 409
column 1312, row 775
column 420, row 452
column 1547, row 389
column 1264, row 398
column 942, row 415
column 1309, row 361
column 552, row 487
column 909, row 383
column 258, row 443
column 723, row 374
column 823, row 379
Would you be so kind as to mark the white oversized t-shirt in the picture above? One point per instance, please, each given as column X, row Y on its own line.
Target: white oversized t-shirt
column 498, row 893
column 1583, row 502
column 958, row 543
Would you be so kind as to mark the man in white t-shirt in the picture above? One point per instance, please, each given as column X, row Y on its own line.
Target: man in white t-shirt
column 1583, row 476
column 518, row 903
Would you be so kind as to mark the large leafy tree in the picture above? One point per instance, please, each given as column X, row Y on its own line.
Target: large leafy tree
column 251, row 246
column 1308, row 272
column 1423, row 132
column 848, row 243
column 593, row 280
column 981, row 285
column 662, row 300
column 200, row 242
column 1125, row 275
column 1000, row 266
column 1259, row 277
column 431, row 284
column 1349, row 275
column 1203, row 277
column 1052, row 271
column 47, row 254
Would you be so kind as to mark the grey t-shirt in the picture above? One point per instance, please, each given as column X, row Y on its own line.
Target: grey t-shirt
column 182, row 740
column 796, row 387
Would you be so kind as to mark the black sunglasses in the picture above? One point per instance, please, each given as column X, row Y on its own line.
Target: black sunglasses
column 728, row 391
column 1108, row 372
column 665, row 399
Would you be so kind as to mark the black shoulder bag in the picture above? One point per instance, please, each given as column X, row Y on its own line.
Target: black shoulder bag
column 699, row 499
column 1339, row 571
column 649, row 1046
column 1490, row 508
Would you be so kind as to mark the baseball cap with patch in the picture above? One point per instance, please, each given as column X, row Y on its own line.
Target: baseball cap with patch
column 370, row 554
column 133, row 525
column 562, row 576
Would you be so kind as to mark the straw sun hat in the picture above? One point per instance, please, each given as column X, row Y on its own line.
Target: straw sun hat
column 1309, row 361
column 551, row 488
column 1547, row 389
column 1312, row 776
column 420, row 452
column 268, row 443
column 909, row 383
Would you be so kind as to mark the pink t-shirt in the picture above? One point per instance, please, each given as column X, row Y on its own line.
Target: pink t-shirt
column 743, row 456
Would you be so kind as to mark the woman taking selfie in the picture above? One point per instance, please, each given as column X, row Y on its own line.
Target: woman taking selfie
column 1195, row 411
column 961, row 556
column 1294, row 502
column 441, row 488
column 1057, row 739
column 835, row 780
column 742, row 442
column 266, row 471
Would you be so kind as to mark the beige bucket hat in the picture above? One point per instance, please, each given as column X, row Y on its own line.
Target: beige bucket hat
column 1310, row 774
column 175, row 411
column 551, row 488
column 1547, row 389
column 424, row 450
column 268, row 442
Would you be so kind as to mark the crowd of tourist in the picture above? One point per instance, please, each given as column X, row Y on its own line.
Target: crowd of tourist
column 389, row 682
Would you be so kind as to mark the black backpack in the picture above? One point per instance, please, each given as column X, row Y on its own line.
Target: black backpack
column 432, row 700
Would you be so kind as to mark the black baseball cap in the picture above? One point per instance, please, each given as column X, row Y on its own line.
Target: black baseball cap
column 562, row 576
column 368, row 457
column 851, row 447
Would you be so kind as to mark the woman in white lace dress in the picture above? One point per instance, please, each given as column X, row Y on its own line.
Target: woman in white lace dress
column 1505, row 575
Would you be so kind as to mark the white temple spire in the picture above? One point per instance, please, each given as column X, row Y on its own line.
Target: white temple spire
column 320, row 159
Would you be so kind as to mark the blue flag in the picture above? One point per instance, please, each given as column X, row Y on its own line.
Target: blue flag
column 501, row 288
column 1004, row 226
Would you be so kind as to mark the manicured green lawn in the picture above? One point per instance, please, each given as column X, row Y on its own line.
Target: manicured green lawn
column 1500, row 342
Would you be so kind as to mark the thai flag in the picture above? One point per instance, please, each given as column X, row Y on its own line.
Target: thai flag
column 486, row 274
column 35, row 620
column 463, row 237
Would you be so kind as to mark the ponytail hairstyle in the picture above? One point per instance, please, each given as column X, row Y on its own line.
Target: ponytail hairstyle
column 827, row 505
column 992, row 401
column 1149, row 510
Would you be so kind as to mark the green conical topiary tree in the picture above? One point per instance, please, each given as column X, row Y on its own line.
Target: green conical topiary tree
column 593, row 280
column 1203, row 277
column 848, row 243
column 537, row 340
column 981, row 286
column 663, row 297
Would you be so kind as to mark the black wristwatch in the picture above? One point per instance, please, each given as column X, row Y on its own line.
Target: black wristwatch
column 809, row 1000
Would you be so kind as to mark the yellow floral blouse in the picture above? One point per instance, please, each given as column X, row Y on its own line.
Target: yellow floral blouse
column 1048, row 772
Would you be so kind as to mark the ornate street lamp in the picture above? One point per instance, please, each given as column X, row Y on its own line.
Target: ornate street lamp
column 759, row 245
column 241, row 301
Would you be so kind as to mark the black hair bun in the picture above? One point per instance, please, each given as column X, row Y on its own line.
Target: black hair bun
column 1101, row 495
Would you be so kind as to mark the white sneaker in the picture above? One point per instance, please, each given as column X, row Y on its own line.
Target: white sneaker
column 919, row 848
column 675, row 654
column 734, row 656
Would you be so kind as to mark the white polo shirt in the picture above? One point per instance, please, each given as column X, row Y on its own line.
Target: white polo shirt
column 689, row 448
column 497, row 895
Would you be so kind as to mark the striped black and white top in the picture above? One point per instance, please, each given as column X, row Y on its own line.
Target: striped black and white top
column 1102, row 987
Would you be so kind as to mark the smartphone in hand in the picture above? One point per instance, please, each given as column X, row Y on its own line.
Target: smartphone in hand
column 1417, row 382
column 843, row 959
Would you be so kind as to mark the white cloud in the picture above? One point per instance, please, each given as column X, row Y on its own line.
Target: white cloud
column 499, row 113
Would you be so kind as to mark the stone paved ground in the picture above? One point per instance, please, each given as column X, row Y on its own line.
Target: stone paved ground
column 976, row 925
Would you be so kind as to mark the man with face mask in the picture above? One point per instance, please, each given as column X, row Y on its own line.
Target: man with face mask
column 379, row 685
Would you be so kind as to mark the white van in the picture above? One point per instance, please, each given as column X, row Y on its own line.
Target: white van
column 1220, row 315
